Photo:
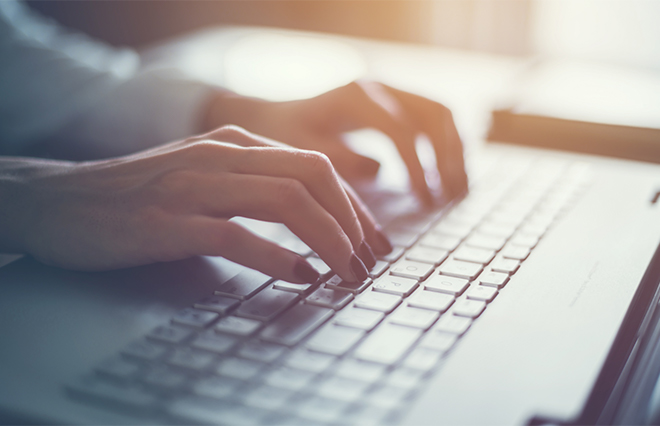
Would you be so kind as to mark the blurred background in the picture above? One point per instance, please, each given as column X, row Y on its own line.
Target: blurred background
column 617, row 31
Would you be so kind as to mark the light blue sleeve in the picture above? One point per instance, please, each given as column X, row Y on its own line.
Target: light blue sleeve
column 62, row 86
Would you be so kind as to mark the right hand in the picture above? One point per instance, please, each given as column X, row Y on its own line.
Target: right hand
column 175, row 201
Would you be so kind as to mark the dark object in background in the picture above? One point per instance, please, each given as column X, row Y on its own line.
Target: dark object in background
column 633, row 143
column 583, row 107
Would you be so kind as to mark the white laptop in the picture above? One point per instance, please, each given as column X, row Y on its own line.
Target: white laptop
column 527, row 302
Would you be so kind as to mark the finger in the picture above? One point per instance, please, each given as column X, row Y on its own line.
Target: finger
column 218, row 237
column 374, row 234
column 314, row 170
column 370, row 106
column 437, row 122
column 282, row 200
column 347, row 162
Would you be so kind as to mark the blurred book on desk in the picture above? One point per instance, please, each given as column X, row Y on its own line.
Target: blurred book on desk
column 583, row 107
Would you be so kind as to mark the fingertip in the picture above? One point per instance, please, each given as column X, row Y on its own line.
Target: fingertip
column 357, row 267
column 305, row 272
column 367, row 255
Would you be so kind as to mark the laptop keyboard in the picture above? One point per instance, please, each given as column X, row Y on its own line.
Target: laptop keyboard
column 262, row 351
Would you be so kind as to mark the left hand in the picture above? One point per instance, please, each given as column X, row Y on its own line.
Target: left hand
column 318, row 124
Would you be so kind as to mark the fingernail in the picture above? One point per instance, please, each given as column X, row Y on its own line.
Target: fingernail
column 384, row 245
column 358, row 268
column 305, row 272
column 367, row 255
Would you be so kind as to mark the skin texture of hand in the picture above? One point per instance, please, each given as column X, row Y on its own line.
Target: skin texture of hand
column 175, row 201
column 318, row 124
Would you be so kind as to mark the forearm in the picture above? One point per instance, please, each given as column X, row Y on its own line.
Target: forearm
column 16, row 206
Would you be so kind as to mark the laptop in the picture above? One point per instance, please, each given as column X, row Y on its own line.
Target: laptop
column 530, row 301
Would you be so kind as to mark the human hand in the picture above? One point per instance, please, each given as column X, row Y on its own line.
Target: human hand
column 318, row 124
column 175, row 201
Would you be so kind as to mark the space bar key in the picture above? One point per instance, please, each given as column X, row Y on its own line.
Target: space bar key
column 296, row 324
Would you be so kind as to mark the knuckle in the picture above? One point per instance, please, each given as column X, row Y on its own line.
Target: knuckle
column 318, row 164
column 231, row 131
column 201, row 148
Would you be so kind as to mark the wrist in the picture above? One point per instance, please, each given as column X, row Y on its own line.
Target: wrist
column 225, row 107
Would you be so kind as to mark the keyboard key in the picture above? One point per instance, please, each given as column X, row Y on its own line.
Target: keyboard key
column 164, row 378
column 378, row 269
column 342, row 389
column 523, row 240
column 496, row 229
column 295, row 324
column 98, row 390
column 453, row 228
column 427, row 255
column 241, row 369
column 474, row 254
column 244, row 285
column 469, row 308
column 480, row 292
column 191, row 359
column 214, row 342
column 504, row 265
column 260, row 351
column 532, row 230
column 288, row 378
column 460, row 269
column 394, row 255
column 411, row 269
column 485, row 241
column 215, row 387
column 453, row 324
column 195, row 318
column 359, row 370
column 237, row 326
column 515, row 252
column 318, row 264
column 267, row 304
column 387, row 344
column 402, row 238
column 118, row 368
column 425, row 299
column 388, row 397
column 329, row 298
column 334, row 339
column 315, row 362
column 196, row 410
column 377, row 301
column 355, row 287
column 320, row 409
column 364, row 319
column 407, row 378
column 414, row 317
column 292, row 287
column 367, row 416
column 219, row 304
column 440, row 241
column 493, row 279
column 395, row 285
column 439, row 341
column 169, row 334
column 422, row 359
column 144, row 350
column 268, row 398
column 446, row 284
